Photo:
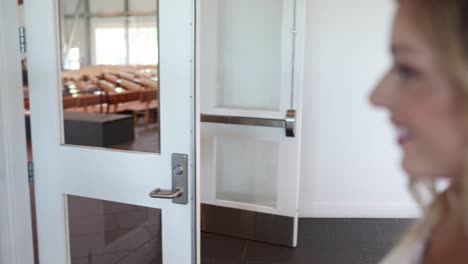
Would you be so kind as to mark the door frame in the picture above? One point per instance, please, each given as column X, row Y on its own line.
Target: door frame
column 16, row 247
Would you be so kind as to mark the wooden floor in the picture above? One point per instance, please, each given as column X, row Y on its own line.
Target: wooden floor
column 321, row 241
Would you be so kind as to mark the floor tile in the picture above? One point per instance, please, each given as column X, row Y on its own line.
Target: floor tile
column 265, row 253
column 354, row 230
column 321, row 241
column 222, row 248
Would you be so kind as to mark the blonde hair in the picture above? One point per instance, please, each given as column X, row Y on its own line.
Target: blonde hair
column 448, row 22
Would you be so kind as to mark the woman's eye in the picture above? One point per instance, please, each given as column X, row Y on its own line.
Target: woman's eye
column 404, row 72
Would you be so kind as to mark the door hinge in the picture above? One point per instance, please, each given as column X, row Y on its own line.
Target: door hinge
column 30, row 171
column 22, row 39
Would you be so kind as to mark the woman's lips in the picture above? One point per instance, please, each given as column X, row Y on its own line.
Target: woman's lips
column 402, row 141
column 403, row 135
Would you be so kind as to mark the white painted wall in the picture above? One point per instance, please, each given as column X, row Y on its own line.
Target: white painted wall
column 350, row 162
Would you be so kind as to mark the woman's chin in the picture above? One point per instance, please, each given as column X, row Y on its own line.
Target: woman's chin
column 416, row 170
column 425, row 167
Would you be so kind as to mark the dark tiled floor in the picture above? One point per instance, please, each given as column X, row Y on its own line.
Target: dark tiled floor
column 321, row 241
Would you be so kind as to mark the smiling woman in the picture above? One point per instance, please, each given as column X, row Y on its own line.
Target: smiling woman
column 425, row 93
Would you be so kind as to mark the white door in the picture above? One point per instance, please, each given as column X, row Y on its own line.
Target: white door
column 84, row 194
column 251, row 77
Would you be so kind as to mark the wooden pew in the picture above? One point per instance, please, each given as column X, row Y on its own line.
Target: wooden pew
column 147, row 102
column 107, row 86
column 90, row 100
column 69, row 102
column 119, row 98
column 127, row 76
column 130, row 85
column 149, row 83
column 83, row 103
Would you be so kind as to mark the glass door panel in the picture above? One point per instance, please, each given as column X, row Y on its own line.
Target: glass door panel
column 104, row 232
column 110, row 74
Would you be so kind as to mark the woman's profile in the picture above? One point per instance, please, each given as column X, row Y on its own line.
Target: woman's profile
column 426, row 95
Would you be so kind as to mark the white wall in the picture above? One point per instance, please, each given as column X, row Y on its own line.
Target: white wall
column 350, row 163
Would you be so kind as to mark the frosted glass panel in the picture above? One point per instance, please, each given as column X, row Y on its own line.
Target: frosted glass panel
column 249, row 54
column 247, row 171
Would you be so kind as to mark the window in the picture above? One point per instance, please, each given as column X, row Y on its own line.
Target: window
column 143, row 45
column 111, row 45
column 72, row 61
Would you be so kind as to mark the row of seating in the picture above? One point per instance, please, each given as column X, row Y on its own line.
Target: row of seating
column 111, row 89
column 135, row 102
column 110, row 79
column 117, row 89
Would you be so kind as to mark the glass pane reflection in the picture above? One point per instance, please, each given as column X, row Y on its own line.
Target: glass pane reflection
column 110, row 74
column 103, row 232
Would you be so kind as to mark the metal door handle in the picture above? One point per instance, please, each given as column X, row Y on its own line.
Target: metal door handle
column 180, row 189
column 161, row 194
column 289, row 123
column 179, row 194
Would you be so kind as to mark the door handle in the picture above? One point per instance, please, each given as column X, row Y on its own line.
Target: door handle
column 289, row 123
column 179, row 193
column 161, row 194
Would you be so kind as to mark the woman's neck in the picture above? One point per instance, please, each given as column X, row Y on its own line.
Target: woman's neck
column 449, row 241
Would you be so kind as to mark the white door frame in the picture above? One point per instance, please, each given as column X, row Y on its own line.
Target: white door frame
column 16, row 245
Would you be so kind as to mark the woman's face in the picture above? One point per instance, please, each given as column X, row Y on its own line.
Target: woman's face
column 425, row 107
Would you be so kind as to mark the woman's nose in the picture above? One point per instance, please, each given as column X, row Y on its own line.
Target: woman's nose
column 381, row 94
